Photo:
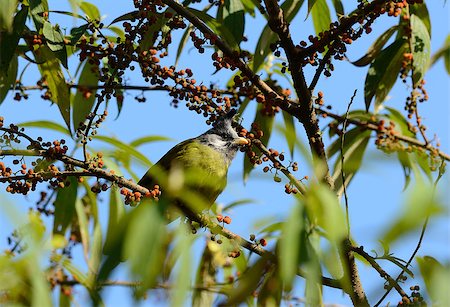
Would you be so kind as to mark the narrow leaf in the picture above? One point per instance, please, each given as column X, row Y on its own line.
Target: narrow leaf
column 90, row 10
column 85, row 97
column 376, row 47
column 321, row 16
column 8, row 78
column 383, row 73
column 421, row 45
column 65, row 206
column 51, row 71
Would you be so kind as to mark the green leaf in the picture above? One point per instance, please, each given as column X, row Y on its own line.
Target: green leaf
column 376, row 47
column 290, row 244
column 421, row 45
column 400, row 122
column 37, row 10
column 51, row 71
column 290, row 9
column 271, row 291
column 116, row 213
column 338, row 7
column 46, row 125
column 355, row 145
column 127, row 148
column 149, row 139
column 420, row 204
column 54, row 37
column 265, row 124
column 310, row 5
column 65, row 206
column 83, row 225
column 9, row 41
column 248, row 282
column 67, row 264
column 383, row 73
column 7, row 12
column 206, row 276
column 84, row 98
column 436, row 278
column 421, row 11
column 238, row 203
column 127, row 16
column 90, row 10
column 233, row 17
column 8, row 78
column 182, row 285
column 290, row 134
column 76, row 33
column 144, row 244
column 321, row 16
column 183, row 41
column 216, row 27
column 324, row 210
column 443, row 52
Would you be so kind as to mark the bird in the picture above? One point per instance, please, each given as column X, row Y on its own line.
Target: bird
column 193, row 173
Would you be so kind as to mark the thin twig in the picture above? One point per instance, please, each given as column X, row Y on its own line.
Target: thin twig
column 392, row 283
column 344, row 129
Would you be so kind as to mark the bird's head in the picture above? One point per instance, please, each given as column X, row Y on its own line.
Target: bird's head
column 223, row 137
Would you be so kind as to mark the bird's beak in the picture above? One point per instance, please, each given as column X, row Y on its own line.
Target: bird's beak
column 241, row 141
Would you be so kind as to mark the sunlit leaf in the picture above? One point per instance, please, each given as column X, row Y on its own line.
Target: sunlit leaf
column 149, row 139
column 443, row 52
column 290, row 134
column 206, row 276
column 436, row 278
column 376, row 47
column 338, row 7
column 65, row 206
column 419, row 204
column 54, row 37
column 290, row 244
column 46, row 125
column 125, row 147
column 85, row 96
column 9, row 41
column 7, row 12
column 321, row 16
column 90, row 10
column 8, row 78
column 383, row 73
column 182, row 279
column 37, row 10
column 421, row 11
column 421, row 48
column 267, row 37
column 51, row 71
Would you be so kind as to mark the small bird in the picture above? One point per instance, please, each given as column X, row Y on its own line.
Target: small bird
column 193, row 173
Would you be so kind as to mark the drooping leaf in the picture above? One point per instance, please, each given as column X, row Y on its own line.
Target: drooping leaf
column 421, row 11
column 54, row 37
column 7, row 12
column 338, row 7
column 443, row 52
column 90, row 10
column 37, row 10
column 248, row 283
column 310, row 5
column 271, row 291
column 216, row 27
column 65, row 206
column 83, row 225
column 127, row 148
column 420, row 204
column 116, row 213
column 233, row 16
column 354, row 150
column 148, row 139
column 290, row 244
column 182, row 279
column 127, row 16
column 290, row 9
column 383, row 73
column 9, row 41
column 321, row 16
column 8, row 78
column 376, row 47
column 421, row 45
column 46, row 125
column 290, row 134
column 77, row 32
column 436, row 278
column 324, row 210
column 85, row 96
column 206, row 275
column 51, row 71
column 265, row 123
